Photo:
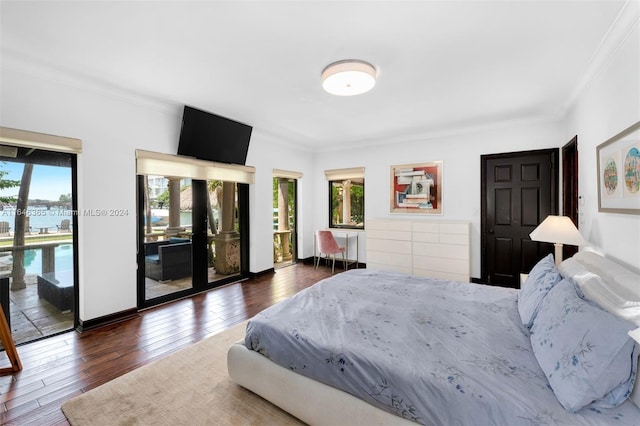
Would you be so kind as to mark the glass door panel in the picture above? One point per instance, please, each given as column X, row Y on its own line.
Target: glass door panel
column 167, row 235
column 223, row 231
column 284, row 221
column 37, row 242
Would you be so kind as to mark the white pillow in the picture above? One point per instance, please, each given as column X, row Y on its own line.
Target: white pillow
column 618, row 293
column 595, row 289
column 571, row 268
column 620, row 280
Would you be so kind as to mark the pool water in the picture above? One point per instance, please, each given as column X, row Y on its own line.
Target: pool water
column 64, row 259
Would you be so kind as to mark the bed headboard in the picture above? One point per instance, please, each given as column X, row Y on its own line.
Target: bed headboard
column 439, row 249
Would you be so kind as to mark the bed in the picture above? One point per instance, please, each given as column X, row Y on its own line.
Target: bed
column 375, row 347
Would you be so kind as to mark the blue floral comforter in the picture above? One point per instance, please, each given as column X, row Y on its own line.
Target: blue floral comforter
column 433, row 351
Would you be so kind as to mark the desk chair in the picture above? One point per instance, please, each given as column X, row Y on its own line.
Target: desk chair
column 328, row 246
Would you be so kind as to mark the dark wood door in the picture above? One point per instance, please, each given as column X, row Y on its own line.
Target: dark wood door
column 519, row 190
column 570, row 197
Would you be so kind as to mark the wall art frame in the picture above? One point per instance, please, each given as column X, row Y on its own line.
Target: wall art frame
column 618, row 162
column 417, row 188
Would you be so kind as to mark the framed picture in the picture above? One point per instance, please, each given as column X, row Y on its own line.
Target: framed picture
column 417, row 188
column 618, row 162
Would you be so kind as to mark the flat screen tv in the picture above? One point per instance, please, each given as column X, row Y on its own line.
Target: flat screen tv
column 210, row 137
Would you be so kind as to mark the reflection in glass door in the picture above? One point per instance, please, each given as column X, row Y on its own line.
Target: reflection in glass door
column 37, row 241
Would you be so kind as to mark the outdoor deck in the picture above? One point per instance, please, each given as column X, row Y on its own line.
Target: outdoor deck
column 33, row 317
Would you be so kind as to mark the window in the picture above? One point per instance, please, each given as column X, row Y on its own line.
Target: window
column 346, row 198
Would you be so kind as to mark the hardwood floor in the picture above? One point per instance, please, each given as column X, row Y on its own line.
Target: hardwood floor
column 63, row 366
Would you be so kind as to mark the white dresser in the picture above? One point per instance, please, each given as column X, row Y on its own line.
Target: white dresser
column 439, row 249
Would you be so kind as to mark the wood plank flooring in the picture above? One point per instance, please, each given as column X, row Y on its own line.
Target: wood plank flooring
column 63, row 366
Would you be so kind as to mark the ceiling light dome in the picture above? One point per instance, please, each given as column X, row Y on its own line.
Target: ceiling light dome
column 349, row 77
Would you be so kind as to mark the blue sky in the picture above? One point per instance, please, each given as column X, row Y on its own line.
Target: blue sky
column 47, row 182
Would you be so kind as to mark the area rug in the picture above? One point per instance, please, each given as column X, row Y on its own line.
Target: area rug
column 190, row 386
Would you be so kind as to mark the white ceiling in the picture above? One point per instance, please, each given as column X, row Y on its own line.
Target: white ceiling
column 442, row 65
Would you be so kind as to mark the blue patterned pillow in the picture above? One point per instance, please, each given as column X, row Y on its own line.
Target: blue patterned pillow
column 541, row 279
column 584, row 351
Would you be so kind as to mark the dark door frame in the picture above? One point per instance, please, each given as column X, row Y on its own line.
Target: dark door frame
column 570, row 197
column 50, row 157
column 553, row 152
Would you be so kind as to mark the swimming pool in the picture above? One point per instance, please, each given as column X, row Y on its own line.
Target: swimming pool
column 64, row 259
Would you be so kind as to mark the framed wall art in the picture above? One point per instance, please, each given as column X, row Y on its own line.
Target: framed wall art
column 618, row 161
column 416, row 188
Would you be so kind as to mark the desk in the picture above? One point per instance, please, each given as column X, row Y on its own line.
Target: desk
column 346, row 236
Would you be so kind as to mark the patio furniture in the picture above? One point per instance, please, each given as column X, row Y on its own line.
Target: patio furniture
column 57, row 289
column 4, row 229
column 65, row 226
column 168, row 260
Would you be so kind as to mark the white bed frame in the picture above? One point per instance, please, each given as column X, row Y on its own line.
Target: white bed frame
column 311, row 401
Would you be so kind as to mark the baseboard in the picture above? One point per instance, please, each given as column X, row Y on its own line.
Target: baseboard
column 108, row 320
column 261, row 273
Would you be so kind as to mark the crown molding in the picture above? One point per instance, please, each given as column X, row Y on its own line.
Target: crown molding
column 621, row 29
column 37, row 68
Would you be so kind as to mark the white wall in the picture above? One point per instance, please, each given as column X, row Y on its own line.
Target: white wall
column 265, row 154
column 460, row 154
column 111, row 128
column 608, row 104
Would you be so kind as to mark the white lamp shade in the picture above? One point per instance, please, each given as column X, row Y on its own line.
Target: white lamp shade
column 348, row 78
column 558, row 229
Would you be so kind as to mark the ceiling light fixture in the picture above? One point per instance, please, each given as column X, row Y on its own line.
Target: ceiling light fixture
column 349, row 77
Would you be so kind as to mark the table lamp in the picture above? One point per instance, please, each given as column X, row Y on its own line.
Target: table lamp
column 558, row 230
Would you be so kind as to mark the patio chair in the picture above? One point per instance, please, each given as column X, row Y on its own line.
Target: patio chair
column 65, row 226
column 4, row 229
column 328, row 246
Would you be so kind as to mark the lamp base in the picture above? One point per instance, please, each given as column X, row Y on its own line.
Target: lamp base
column 558, row 254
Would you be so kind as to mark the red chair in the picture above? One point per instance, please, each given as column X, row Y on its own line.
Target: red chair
column 328, row 246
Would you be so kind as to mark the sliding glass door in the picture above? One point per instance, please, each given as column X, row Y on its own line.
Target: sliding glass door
column 193, row 236
column 38, row 242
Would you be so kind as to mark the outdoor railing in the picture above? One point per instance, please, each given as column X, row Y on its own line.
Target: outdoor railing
column 48, row 253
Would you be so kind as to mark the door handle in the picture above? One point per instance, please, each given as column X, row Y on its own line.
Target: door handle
column 491, row 231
